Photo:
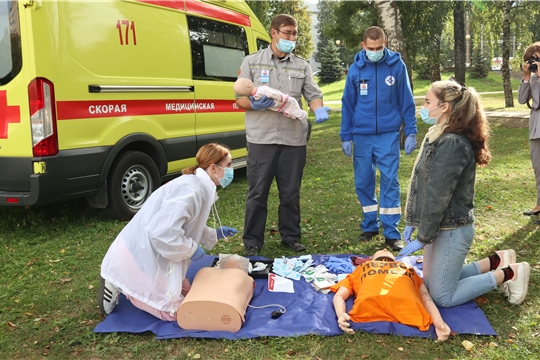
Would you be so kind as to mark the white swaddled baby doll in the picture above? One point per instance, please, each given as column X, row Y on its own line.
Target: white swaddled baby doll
column 283, row 103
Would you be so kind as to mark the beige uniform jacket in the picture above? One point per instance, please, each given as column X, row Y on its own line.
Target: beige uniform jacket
column 291, row 75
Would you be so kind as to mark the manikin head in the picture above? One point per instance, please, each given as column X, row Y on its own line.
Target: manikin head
column 383, row 254
column 244, row 87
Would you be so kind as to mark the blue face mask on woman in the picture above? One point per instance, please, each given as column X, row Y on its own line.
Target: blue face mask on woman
column 228, row 176
column 424, row 114
column 286, row 46
column 374, row 56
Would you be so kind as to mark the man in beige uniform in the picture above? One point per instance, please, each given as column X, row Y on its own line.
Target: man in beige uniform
column 277, row 144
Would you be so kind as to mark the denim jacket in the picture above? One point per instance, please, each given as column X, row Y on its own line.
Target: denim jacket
column 442, row 187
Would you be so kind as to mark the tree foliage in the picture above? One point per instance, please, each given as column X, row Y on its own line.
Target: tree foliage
column 434, row 32
column 327, row 21
column 354, row 18
column 331, row 69
column 299, row 10
column 267, row 10
column 263, row 11
column 324, row 17
column 423, row 25
column 480, row 64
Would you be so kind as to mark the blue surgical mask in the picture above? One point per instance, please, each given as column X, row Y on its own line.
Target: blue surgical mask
column 286, row 46
column 228, row 176
column 424, row 114
column 375, row 56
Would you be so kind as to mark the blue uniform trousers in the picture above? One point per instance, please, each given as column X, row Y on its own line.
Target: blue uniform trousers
column 381, row 151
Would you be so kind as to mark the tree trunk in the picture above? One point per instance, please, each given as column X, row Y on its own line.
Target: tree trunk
column 507, row 85
column 435, row 61
column 459, row 40
column 388, row 14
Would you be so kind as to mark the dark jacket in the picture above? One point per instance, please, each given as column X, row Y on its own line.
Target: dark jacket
column 442, row 187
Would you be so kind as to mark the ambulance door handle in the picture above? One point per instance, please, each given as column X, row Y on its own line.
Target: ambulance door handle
column 134, row 88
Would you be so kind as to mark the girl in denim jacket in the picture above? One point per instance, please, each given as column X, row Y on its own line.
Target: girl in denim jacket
column 440, row 202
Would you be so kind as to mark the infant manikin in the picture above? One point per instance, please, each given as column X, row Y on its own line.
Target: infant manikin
column 283, row 103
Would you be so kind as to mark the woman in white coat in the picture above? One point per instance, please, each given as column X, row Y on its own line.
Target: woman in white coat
column 148, row 260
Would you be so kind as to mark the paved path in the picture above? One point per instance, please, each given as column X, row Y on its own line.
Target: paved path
column 507, row 114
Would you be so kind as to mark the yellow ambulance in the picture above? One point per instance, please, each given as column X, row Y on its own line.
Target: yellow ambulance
column 108, row 99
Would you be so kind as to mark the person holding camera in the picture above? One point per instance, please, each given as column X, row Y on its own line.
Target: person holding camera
column 529, row 89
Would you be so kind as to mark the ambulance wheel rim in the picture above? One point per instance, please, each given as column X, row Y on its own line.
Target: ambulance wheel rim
column 136, row 186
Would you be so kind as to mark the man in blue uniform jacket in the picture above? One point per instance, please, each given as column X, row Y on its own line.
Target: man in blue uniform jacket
column 376, row 101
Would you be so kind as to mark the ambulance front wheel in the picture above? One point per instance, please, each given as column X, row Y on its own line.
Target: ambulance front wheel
column 133, row 177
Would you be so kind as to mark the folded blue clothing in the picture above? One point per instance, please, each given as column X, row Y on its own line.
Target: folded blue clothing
column 337, row 265
column 308, row 312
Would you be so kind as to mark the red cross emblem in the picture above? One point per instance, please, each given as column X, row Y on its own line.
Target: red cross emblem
column 8, row 114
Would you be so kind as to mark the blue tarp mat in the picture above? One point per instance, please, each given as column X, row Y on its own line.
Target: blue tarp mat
column 308, row 312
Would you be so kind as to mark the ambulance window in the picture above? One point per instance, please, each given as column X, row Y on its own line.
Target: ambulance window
column 261, row 44
column 10, row 41
column 217, row 49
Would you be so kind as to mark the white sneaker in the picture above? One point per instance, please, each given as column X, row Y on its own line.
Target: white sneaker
column 107, row 297
column 516, row 288
column 507, row 257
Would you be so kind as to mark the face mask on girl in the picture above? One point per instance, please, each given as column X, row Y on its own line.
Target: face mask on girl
column 424, row 114
column 228, row 176
column 375, row 56
column 286, row 46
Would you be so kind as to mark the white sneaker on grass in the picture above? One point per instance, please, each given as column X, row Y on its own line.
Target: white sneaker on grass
column 507, row 257
column 107, row 297
column 516, row 288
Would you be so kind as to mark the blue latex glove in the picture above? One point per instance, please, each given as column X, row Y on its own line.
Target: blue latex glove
column 408, row 233
column 198, row 254
column 410, row 144
column 321, row 114
column 225, row 231
column 263, row 103
column 347, row 148
column 411, row 248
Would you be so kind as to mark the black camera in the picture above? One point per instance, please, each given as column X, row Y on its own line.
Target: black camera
column 532, row 66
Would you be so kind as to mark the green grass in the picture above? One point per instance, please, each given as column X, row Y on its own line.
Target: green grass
column 50, row 259
column 334, row 91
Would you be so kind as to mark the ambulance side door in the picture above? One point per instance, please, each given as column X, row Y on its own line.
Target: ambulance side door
column 129, row 74
column 217, row 51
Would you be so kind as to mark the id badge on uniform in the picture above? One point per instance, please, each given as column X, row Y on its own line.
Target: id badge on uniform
column 363, row 89
column 265, row 76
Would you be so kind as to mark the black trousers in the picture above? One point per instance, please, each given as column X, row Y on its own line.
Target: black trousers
column 264, row 163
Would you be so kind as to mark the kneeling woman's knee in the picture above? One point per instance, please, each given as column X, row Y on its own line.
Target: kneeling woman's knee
column 442, row 300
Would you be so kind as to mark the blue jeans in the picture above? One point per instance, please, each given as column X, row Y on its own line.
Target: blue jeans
column 451, row 283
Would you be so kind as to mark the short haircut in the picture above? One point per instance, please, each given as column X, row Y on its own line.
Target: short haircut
column 282, row 20
column 374, row 33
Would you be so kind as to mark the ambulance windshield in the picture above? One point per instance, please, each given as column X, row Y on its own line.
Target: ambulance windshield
column 10, row 41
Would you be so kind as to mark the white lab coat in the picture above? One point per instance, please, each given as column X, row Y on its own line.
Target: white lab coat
column 149, row 258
